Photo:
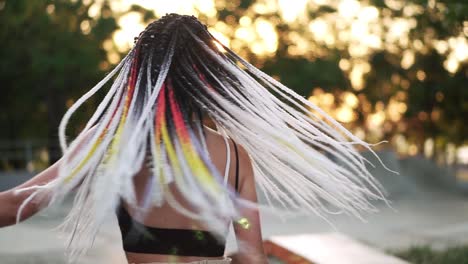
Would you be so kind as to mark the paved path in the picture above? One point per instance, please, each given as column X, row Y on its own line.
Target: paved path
column 321, row 249
column 438, row 220
column 426, row 213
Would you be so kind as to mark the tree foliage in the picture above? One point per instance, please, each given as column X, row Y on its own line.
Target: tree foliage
column 52, row 52
column 433, row 95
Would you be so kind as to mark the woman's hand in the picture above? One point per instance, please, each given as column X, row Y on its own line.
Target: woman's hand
column 7, row 216
column 11, row 200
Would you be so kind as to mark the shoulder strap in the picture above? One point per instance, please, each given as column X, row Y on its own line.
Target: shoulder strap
column 237, row 166
column 228, row 161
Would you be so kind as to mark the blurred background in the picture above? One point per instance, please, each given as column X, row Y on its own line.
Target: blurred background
column 389, row 70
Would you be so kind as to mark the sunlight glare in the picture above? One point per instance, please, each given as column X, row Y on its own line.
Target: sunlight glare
column 268, row 34
column 206, row 7
column 372, row 41
column 131, row 26
column 245, row 33
column 359, row 29
column 407, row 59
column 460, row 48
column 357, row 74
column 349, row 8
column 344, row 64
column 221, row 37
column 265, row 7
column 301, row 45
column 319, row 29
column 345, row 114
column 350, row 99
column 394, row 4
column 395, row 110
column 245, row 21
column 411, row 10
column 161, row 7
column 451, row 64
column 358, row 50
column 462, row 154
column 397, row 29
column 375, row 120
column 441, row 46
column 291, row 10
column 94, row 10
column 369, row 14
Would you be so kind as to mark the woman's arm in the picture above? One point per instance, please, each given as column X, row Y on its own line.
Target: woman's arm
column 10, row 200
column 247, row 229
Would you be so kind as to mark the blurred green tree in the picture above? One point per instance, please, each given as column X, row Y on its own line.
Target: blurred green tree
column 399, row 58
column 52, row 52
column 387, row 52
column 437, row 94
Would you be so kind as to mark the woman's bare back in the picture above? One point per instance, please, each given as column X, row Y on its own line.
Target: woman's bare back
column 169, row 218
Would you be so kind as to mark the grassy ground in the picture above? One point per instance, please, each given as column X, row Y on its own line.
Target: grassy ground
column 427, row 255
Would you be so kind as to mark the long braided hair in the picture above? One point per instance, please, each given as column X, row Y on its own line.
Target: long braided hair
column 175, row 74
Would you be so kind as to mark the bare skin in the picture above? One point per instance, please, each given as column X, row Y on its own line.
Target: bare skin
column 165, row 216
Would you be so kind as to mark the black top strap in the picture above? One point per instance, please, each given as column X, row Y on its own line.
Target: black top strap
column 237, row 166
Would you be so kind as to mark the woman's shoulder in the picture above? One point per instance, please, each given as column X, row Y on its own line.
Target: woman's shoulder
column 216, row 144
column 216, row 139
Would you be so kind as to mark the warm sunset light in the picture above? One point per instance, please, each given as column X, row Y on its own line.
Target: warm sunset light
column 260, row 33
column 131, row 25
column 314, row 99
column 356, row 28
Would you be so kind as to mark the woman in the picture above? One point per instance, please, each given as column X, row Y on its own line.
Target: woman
column 175, row 184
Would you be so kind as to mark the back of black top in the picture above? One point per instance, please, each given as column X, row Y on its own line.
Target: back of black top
column 138, row 238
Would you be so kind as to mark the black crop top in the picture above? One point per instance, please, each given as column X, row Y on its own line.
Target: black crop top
column 138, row 238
